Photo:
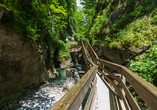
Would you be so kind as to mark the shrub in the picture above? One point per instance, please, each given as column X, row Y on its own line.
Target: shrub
column 146, row 65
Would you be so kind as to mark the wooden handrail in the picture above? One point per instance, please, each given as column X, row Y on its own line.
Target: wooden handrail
column 73, row 99
column 92, row 50
column 110, row 64
column 147, row 91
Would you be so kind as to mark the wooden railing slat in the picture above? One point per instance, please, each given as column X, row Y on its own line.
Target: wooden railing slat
column 112, row 83
column 110, row 65
column 125, row 102
column 74, row 97
column 150, row 89
column 92, row 50
column 147, row 91
column 91, row 95
column 130, row 97
column 111, row 75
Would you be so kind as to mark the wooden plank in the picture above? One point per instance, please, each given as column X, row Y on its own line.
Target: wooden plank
column 84, row 50
column 118, row 103
column 74, row 97
column 89, row 100
column 91, row 54
column 92, row 50
column 125, row 102
column 75, row 49
column 113, row 103
column 147, row 91
column 128, row 94
column 131, row 99
column 112, row 83
column 116, row 74
column 111, row 75
column 94, row 100
column 110, row 64
column 76, row 46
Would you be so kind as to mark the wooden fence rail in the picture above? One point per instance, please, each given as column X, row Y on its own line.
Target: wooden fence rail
column 147, row 91
column 73, row 98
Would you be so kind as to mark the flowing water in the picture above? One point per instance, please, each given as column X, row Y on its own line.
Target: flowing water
column 39, row 98
column 42, row 97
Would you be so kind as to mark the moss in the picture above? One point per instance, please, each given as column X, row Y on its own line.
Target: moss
column 133, row 29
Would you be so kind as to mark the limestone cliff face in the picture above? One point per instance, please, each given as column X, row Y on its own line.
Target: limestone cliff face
column 20, row 64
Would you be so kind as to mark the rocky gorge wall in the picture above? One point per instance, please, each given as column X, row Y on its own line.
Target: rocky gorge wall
column 20, row 65
column 111, row 23
column 24, row 62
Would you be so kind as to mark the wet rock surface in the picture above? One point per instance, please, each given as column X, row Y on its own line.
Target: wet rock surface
column 42, row 97
column 20, row 64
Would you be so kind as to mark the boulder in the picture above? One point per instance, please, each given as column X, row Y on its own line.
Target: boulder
column 70, row 82
column 69, row 73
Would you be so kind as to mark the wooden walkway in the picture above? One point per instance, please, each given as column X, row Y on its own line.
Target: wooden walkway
column 106, row 98
column 108, row 91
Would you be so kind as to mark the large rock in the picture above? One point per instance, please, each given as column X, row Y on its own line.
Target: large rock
column 20, row 64
column 114, row 55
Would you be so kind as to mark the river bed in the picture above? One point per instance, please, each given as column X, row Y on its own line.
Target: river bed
column 42, row 97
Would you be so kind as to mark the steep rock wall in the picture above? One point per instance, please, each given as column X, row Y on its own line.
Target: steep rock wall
column 20, row 65
column 115, row 18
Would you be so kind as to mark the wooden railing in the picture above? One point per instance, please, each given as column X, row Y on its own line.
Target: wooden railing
column 73, row 99
column 147, row 91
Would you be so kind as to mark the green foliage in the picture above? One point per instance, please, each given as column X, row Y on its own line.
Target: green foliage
column 97, row 42
column 83, row 19
column 130, row 30
column 139, row 33
column 146, row 65
column 34, row 18
column 63, row 53
column 74, row 44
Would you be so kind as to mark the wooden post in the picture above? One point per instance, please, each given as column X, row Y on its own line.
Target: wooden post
column 124, row 81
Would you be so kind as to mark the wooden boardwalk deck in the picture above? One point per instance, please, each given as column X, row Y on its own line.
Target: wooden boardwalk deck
column 106, row 99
